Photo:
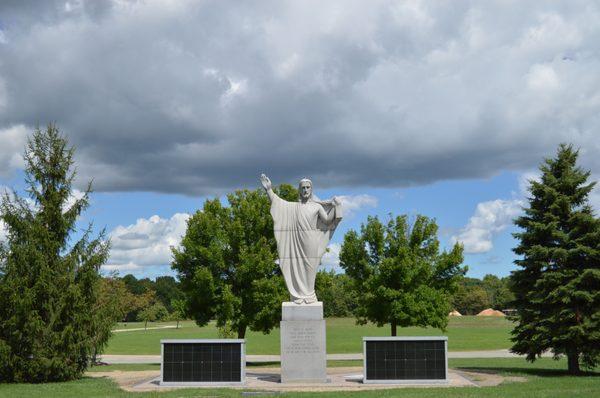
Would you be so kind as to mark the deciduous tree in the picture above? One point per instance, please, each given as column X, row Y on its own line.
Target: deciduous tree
column 498, row 291
column 179, row 310
column 336, row 292
column 111, row 307
column 227, row 263
column 470, row 299
column 167, row 290
column 154, row 312
column 400, row 275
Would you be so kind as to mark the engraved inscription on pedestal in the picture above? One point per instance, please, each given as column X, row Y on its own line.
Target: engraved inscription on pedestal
column 303, row 354
column 302, row 340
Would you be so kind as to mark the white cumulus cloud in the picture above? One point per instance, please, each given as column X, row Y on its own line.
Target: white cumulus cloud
column 146, row 243
column 525, row 179
column 353, row 203
column 3, row 232
column 331, row 258
column 12, row 146
column 76, row 194
column 595, row 195
column 349, row 93
column 490, row 218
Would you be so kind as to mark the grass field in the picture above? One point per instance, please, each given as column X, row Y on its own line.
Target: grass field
column 138, row 325
column 545, row 379
column 467, row 333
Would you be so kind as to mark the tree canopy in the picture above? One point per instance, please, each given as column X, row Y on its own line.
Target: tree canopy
column 557, row 283
column 227, row 263
column 49, row 281
column 402, row 277
column 336, row 292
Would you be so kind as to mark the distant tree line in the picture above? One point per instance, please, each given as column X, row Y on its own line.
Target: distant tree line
column 471, row 297
column 144, row 300
column 139, row 298
column 474, row 295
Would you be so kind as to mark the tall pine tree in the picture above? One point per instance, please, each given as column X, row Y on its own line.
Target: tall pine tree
column 48, row 282
column 557, row 284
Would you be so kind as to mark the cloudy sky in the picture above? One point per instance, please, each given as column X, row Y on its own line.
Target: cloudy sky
column 438, row 108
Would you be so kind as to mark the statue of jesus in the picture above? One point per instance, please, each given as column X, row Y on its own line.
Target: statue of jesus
column 302, row 231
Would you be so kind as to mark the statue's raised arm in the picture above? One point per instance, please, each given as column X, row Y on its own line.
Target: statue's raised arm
column 266, row 183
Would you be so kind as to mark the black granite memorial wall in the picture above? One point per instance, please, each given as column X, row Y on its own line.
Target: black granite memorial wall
column 202, row 362
column 405, row 359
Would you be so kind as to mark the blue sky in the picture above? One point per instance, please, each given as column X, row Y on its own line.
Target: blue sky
column 437, row 108
column 451, row 203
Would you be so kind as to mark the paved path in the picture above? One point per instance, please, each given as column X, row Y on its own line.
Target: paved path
column 118, row 359
column 150, row 328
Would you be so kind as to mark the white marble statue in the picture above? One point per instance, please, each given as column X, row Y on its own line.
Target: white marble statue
column 302, row 231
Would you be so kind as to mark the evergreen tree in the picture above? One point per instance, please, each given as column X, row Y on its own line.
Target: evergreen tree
column 226, row 263
column 557, row 284
column 399, row 273
column 49, row 283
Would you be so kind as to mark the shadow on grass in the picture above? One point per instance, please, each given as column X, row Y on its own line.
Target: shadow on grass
column 538, row 372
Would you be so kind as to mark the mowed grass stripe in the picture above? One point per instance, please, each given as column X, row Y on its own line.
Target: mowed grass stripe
column 468, row 333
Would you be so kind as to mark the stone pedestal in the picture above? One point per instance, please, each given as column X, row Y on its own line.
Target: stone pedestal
column 303, row 353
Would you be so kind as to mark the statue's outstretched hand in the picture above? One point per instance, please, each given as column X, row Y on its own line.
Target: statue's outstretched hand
column 265, row 181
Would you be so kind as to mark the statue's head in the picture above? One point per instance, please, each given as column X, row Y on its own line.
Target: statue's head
column 305, row 189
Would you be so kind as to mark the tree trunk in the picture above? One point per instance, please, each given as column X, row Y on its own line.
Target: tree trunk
column 241, row 331
column 393, row 328
column 177, row 324
column 146, row 325
column 573, row 362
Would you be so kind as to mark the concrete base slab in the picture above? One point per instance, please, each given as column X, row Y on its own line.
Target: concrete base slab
column 267, row 379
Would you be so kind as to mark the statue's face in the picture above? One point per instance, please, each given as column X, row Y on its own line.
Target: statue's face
column 305, row 190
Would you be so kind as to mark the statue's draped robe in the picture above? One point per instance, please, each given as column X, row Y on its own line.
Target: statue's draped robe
column 302, row 238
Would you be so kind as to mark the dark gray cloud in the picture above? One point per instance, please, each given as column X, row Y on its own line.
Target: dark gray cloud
column 200, row 97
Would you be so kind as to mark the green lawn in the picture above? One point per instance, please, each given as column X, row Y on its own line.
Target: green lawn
column 545, row 379
column 343, row 336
